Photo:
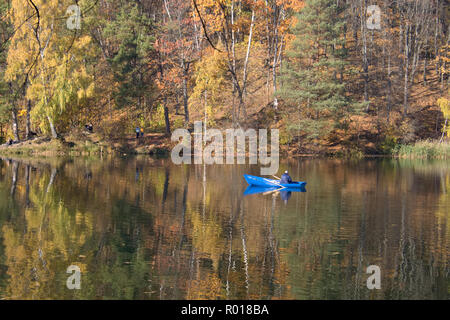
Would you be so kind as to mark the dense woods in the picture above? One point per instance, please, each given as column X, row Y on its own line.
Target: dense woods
column 319, row 70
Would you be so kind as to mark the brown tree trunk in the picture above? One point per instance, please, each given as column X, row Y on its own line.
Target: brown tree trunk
column 363, row 7
column 166, row 117
column 28, row 121
column 185, row 95
column 274, row 70
column 425, row 70
column 406, row 70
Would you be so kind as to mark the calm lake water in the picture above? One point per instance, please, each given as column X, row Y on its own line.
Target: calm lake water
column 144, row 228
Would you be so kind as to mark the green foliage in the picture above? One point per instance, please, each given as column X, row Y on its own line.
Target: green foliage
column 178, row 123
column 157, row 122
column 285, row 137
column 210, row 121
column 388, row 145
column 351, row 152
column 5, row 105
column 314, row 75
column 132, row 36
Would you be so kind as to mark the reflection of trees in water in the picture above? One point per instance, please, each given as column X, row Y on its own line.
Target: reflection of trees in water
column 384, row 216
column 233, row 238
column 45, row 237
column 26, row 236
column 171, row 234
column 421, row 266
column 15, row 167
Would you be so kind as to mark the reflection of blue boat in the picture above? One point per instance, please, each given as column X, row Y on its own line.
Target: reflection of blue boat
column 284, row 191
column 267, row 183
column 255, row 190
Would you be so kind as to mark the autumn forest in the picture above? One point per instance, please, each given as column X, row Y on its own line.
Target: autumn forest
column 335, row 76
column 92, row 206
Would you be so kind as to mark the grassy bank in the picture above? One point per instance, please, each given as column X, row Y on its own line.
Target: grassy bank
column 85, row 144
column 159, row 144
column 424, row 150
column 55, row 147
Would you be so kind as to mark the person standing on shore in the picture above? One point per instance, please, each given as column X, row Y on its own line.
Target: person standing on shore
column 138, row 130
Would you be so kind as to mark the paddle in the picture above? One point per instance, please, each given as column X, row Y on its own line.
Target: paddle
column 275, row 183
column 269, row 192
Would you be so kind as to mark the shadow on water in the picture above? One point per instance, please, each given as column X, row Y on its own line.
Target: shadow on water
column 143, row 228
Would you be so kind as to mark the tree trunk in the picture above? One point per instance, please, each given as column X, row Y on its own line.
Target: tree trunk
column 425, row 70
column 389, row 94
column 166, row 117
column 233, row 64
column 233, row 109
column 436, row 47
column 274, row 70
column 28, row 122
column 406, row 70
column 363, row 7
column 52, row 128
column 443, row 130
column 247, row 56
column 185, row 96
column 241, row 104
column 205, row 104
column 15, row 127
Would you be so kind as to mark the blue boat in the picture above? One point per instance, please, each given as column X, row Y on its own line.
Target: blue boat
column 270, row 183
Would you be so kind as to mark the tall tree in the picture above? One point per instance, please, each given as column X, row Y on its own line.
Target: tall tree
column 314, row 61
column 8, row 94
column 180, row 40
column 54, row 58
column 130, row 38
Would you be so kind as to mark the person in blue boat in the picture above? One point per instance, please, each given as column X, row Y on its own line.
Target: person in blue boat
column 285, row 178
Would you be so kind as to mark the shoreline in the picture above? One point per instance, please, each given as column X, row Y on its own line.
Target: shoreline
column 160, row 145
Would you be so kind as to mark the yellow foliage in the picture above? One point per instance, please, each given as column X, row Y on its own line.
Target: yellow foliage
column 22, row 113
column 444, row 104
column 210, row 75
column 55, row 65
